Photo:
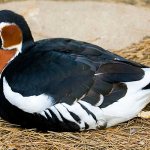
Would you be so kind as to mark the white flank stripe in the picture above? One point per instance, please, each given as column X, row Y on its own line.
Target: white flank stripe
column 55, row 111
column 97, row 74
column 82, row 114
column 29, row 104
column 64, row 112
column 43, row 114
column 101, row 99
column 95, row 110
column 47, row 111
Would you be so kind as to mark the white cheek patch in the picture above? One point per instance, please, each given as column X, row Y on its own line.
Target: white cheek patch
column 4, row 24
column 18, row 47
column 29, row 104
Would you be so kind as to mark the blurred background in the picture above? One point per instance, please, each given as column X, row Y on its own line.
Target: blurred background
column 112, row 24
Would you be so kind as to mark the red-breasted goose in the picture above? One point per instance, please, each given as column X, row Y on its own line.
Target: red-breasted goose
column 63, row 84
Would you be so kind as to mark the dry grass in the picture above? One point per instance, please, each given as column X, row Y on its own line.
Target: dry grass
column 133, row 135
column 139, row 52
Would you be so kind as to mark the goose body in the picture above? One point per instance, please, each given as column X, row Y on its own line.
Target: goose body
column 66, row 85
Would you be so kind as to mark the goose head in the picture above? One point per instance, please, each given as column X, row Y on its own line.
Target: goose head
column 15, row 37
column 10, row 43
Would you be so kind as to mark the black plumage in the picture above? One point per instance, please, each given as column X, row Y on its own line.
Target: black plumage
column 66, row 74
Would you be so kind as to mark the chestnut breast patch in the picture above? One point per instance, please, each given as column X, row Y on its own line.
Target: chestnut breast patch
column 5, row 56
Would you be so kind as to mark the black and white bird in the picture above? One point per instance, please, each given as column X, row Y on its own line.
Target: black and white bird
column 63, row 84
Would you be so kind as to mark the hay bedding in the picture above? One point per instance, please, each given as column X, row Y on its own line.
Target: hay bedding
column 134, row 134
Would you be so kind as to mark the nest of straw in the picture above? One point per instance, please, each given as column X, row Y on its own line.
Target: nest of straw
column 134, row 134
